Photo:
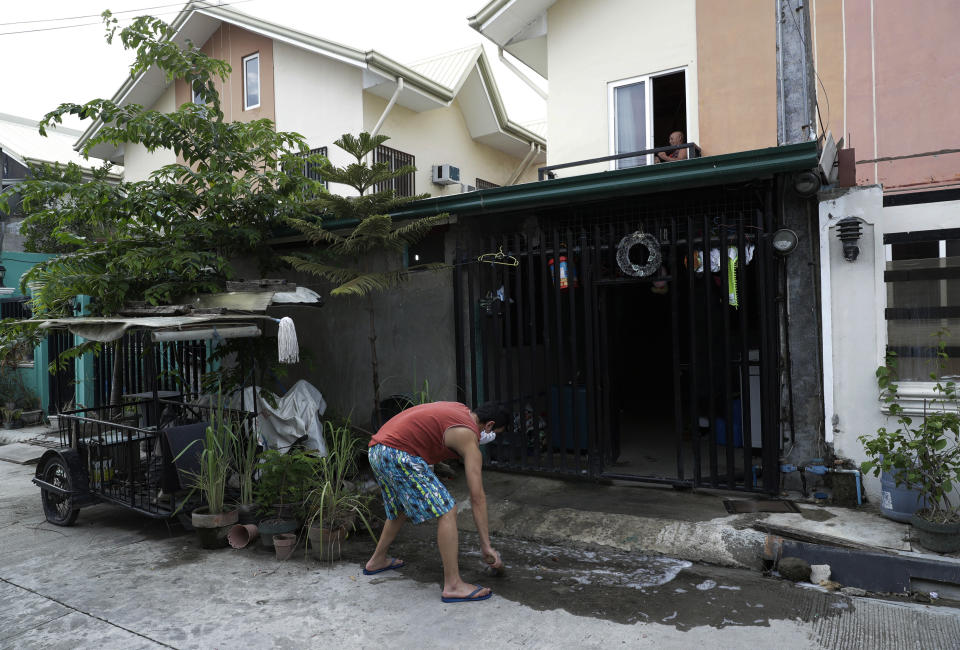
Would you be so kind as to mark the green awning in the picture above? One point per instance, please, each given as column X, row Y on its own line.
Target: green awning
column 696, row 172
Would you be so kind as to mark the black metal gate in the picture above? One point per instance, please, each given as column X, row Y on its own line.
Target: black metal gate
column 180, row 366
column 667, row 376
column 63, row 379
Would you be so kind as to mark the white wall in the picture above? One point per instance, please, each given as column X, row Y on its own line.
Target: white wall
column 854, row 328
column 138, row 163
column 317, row 97
column 441, row 136
column 590, row 44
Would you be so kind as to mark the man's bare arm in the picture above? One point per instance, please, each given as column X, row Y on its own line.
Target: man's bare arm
column 464, row 441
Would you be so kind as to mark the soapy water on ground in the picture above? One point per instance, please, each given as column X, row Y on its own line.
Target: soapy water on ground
column 603, row 582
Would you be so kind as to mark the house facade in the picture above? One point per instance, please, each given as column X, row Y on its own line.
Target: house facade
column 890, row 78
column 20, row 147
column 446, row 110
column 641, row 316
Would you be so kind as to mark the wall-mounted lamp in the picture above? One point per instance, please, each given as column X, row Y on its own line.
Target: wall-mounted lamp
column 849, row 231
column 806, row 183
column 784, row 241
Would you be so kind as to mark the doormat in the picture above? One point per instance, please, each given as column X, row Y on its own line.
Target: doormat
column 738, row 506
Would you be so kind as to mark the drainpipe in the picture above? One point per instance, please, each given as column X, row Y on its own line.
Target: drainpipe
column 386, row 111
column 522, row 167
column 515, row 70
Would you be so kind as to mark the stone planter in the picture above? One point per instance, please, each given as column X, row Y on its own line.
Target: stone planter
column 940, row 538
column 270, row 527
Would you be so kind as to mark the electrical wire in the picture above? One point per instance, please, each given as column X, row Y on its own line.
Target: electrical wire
column 124, row 11
column 59, row 27
column 816, row 103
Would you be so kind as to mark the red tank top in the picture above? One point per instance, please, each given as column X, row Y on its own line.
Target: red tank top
column 419, row 430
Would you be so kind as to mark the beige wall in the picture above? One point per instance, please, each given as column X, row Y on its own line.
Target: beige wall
column 826, row 17
column 138, row 163
column 591, row 44
column 440, row 136
column 232, row 44
column 319, row 98
column 737, row 54
column 903, row 87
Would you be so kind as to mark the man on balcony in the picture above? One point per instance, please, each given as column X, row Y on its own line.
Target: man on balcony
column 676, row 139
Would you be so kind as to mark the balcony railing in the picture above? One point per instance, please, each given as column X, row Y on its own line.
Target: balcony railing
column 693, row 151
column 404, row 185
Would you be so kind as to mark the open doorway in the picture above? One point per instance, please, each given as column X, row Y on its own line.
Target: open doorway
column 669, row 107
column 639, row 375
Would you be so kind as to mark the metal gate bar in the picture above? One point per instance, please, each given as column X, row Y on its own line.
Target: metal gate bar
column 540, row 342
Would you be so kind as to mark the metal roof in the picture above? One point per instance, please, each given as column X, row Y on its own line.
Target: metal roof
column 696, row 172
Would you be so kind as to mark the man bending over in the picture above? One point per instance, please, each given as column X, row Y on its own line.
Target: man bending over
column 401, row 454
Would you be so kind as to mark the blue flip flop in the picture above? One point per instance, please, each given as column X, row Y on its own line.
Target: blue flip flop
column 394, row 564
column 469, row 598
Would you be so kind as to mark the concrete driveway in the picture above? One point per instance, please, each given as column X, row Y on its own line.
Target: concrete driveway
column 117, row 580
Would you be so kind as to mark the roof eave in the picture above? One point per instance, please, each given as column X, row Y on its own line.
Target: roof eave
column 696, row 172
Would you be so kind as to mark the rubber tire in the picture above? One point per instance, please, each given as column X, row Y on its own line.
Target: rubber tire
column 58, row 510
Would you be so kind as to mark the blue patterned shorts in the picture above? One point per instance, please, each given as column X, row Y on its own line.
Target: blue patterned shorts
column 408, row 484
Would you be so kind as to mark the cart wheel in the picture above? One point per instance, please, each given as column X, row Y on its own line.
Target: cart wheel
column 58, row 509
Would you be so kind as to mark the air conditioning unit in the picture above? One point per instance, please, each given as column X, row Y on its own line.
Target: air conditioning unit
column 446, row 174
column 467, row 188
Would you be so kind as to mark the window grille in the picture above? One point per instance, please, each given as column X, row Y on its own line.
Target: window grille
column 311, row 169
column 404, row 185
column 922, row 277
column 485, row 185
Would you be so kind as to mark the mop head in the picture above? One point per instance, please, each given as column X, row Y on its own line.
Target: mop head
column 288, row 351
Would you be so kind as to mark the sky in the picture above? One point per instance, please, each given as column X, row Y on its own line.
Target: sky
column 55, row 50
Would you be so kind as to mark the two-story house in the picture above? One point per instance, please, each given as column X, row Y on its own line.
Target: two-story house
column 890, row 243
column 656, row 283
column 443, row 111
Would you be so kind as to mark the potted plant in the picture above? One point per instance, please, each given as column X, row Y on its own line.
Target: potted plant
column 923, row 453
column 334, row 505
column 281, row 490
column 246, row 457
column 213, row 520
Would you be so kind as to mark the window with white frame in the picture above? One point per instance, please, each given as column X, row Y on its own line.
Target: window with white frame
column 195, row 95
column 644, row 111
column 922, row 277
column 251, row 81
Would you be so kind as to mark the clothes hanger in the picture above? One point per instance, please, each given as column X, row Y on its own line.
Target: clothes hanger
column 499, row 258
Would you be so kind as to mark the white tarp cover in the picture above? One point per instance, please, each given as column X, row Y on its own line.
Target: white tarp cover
column 297, row 414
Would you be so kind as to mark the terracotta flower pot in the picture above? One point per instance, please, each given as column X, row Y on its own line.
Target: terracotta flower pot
column 242, row 534
column 212, row 530
column 284, row 544
column 327, row 542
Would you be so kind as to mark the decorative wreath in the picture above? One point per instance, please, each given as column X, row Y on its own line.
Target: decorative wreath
column 654, row 258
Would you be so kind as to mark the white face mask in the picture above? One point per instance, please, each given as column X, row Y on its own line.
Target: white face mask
column 487, row 436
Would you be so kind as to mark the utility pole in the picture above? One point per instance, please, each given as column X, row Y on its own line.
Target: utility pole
column 801, row 383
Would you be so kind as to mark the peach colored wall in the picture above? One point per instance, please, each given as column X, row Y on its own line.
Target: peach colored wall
column 232, row 44
column 904, row 84
column 737, row 56
column 826, row 17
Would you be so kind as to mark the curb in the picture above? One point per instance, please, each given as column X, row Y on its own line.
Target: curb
column 693, row 541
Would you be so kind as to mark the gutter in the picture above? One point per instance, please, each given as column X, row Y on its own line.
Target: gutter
column 524, row 78
column 522, row 167
column 695, row 172
column 386, row 111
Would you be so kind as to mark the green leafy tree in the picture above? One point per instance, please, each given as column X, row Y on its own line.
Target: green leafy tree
column 362, row 259
column 174, row 233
